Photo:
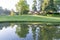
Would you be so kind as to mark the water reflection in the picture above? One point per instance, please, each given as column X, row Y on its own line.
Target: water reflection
column 48, row 32
column 22, row 30
column 4, row 24
column 17, row 31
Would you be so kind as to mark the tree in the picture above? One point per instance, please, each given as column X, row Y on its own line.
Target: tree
column 22, row 7
column 22, row 30
column 12, row 12
column 6, row 11
column 47, row 32
column 48, row 6
column 57, row 4
column 51, row 7
column 39, row 4
column 44, row 4
column 34, row 5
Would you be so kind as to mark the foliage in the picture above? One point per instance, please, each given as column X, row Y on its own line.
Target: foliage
column 4, row 11
column 57, row 3
column 49, row 6
column 40, row 4
column 44, row 4
column 12, row 13
column 22, row 30
column 48, row 32
column 22, row 7
column 34, row 6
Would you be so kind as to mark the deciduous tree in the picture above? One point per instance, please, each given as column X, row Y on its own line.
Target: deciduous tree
column 22, row 7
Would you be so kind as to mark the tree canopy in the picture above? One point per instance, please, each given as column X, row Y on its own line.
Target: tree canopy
column 34, row 5
column 22, row 6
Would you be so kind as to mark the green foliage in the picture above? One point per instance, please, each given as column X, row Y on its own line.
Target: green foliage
column 12, row 12
column 22, row 30
column 57, row 3
column 48, row 32
column 49, row 6
column 22, row 6
column 34, row 6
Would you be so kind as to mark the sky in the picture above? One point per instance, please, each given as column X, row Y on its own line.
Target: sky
column 10, row 4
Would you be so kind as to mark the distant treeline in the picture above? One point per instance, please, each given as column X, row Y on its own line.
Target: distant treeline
column 6, row 11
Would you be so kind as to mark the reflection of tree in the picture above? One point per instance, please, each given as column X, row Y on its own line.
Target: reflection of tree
column 45, row 32
column 40, row 32
column 34, row 31
column 57, row 36
column 48, row 32
column 22, row 30
column 4, row 25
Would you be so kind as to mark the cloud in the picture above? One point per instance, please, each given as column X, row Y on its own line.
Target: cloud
column 9, row 4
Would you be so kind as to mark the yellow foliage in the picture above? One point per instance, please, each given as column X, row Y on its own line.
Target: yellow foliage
column 44, row 4
column 12, row 13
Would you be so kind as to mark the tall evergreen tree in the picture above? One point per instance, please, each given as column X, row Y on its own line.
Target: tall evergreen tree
column 39, row 2
column 34, row 5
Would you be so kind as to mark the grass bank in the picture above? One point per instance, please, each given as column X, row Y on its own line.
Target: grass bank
column 31, row 18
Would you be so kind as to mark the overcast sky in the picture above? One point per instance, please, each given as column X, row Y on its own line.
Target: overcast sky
column 10, row 4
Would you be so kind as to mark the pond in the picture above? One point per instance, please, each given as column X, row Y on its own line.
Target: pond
column 34, row 31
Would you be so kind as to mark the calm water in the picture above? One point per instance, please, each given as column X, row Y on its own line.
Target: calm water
column 18, row 31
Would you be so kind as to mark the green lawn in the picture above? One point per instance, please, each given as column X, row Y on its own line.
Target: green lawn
column 31, row 18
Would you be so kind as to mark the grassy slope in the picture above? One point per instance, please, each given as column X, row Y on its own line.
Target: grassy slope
column 30, row 18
